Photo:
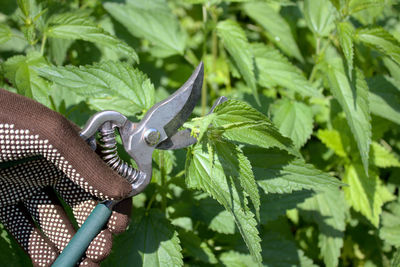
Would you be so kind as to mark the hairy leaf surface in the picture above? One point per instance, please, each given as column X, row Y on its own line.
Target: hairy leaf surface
column 244, row 124
column 110, row 85
column 345, row 33
column 207, row 169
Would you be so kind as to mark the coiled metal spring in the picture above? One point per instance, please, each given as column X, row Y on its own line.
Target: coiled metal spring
column 109, row 153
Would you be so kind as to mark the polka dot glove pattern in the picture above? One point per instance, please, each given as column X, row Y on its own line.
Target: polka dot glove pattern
column 45, row 156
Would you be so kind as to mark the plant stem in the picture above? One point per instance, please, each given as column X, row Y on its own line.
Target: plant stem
column 163, row 180
column 43, row 44
column 204, row 89
column 153, row 197
column 318, row 46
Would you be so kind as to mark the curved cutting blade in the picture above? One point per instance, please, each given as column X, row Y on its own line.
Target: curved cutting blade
column 172, row 112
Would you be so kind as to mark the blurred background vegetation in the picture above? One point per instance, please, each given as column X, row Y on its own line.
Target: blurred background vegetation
column 326, row 72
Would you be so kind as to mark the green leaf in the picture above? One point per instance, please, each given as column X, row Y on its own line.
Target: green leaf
column 353, row 98
column 358, row 5
column 328, row 210
column 393, row 67
column 345, row 33
column 383, row 158
column 365, row 194
column 153, row 21
column 294, row 119
column 332, row 139
column 236, row 259
column 235, row 41
column 278, row 30
column 395, row 262
column 5, row 33
column 280, row 251
column 20, row 70
column 235, row 163
column 58, row 49
column 319, row 15
column 278, row 172
column 276, row 70
column 196, row 247
column 79, row 26
column 384, row 97
column 390, row 230
column 110, row 85
column 150, row 241
column 215, row 216
column 337, row 4
column 207, row 169
column 275, row 205
column 381, row 40
column 242, row 123
column 11, row 252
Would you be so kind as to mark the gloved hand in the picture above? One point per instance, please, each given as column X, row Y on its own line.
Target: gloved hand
column 63, row 163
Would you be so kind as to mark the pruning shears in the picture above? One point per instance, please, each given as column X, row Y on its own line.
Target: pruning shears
column 157, row 130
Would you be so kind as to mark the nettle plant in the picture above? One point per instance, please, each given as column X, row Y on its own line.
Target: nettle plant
column 299, row 168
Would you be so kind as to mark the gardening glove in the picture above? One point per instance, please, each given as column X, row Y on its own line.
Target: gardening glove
column 41, row 153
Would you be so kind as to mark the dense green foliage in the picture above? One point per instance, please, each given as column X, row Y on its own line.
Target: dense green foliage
column 299, row 168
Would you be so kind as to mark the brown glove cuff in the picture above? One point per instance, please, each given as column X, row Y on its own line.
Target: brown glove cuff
column 28, row 128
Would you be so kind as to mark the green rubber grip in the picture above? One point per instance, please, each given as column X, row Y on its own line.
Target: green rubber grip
column 73, row 252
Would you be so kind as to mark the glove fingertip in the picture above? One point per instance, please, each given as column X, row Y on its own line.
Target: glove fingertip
column 88, row 263
column 100, row 247
column 120, row 217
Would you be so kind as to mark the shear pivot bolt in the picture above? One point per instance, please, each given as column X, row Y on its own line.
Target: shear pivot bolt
column 151, row 136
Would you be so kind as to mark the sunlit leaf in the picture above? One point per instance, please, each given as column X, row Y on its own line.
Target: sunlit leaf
column 345, row 33
column 384, row 97
column 382, row 157
column 110, row 85
column 5, row 33
column 153, row 21
column 275, row 70
column 365, row 194
column 207, row 169
column 353, row 98
column 294, row 119
column 381, row 40
column 277, row 28
column 235, row 41
column 20, row 70
column 319, row 15
column 79, row 26
column 278, row 172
